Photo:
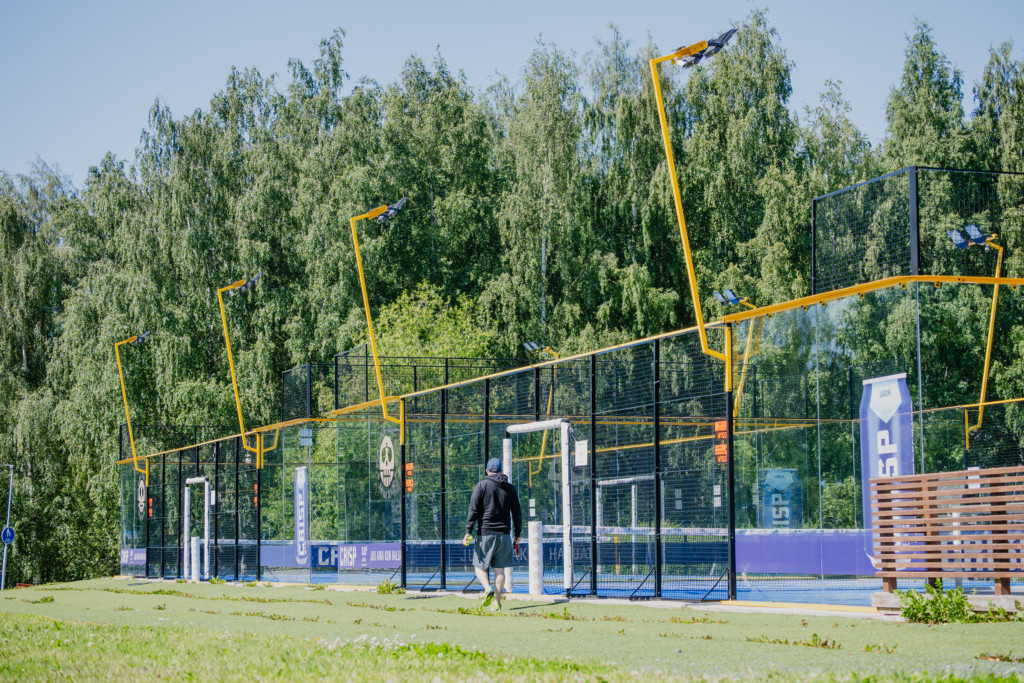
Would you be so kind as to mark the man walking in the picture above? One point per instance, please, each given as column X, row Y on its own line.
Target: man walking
column 494, row 501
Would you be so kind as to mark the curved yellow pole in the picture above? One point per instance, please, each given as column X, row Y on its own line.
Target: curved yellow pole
column 231, row 366
column 127, row 415
column 366, row 304
column 691, row 274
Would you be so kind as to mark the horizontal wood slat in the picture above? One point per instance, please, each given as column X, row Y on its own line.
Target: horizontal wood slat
column 968, row 523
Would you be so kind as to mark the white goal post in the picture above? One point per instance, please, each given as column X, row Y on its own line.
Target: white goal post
column 536, row 553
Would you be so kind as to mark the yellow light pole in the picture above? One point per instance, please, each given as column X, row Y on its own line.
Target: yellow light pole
column 976, row 238
column 688, row 56
column 237, row 288
column 136, row 339
column 381, row 214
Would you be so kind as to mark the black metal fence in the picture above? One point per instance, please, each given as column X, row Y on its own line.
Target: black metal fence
column 897, row 224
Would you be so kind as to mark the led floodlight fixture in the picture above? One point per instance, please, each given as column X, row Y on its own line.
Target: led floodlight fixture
column 957, row 238
column 392, row 210
column 688, row 56
column 714, row 46
column 719, row 298
column 731, row 296
column 141, row 338
column 974, row 233
column 248, row 284
column 532, row 347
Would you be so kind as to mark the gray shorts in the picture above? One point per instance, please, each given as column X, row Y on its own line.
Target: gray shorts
column 493, row 550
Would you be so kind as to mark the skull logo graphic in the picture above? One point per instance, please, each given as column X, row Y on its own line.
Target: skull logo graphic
column 141, row 496
column 386, row 462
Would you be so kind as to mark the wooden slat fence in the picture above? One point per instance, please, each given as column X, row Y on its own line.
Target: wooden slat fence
column 963, row 524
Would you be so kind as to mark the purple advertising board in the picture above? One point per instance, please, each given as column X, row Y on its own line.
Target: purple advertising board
column 341, row 556
column 135, row 557
column 886, row 437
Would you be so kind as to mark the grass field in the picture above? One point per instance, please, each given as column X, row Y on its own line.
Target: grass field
column 114, row 629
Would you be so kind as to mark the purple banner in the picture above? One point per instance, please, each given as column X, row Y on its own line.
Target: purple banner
column 301, row 518
column 135, row 557
column 808, row 552
column 886, row 437
column 342, row 556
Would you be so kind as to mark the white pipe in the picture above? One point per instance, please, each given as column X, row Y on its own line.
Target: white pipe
column 536, row 426
column 186, row 538
column 195, row 559
column 566, row 510
column 206, row 529
column 535, row 531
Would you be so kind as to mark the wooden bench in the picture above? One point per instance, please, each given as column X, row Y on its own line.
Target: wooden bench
column 963, row 524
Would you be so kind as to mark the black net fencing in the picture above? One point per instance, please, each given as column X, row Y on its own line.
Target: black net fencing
column 899, row 224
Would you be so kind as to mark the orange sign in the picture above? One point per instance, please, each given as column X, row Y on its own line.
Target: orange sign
column 721, row 449
column 721, row 426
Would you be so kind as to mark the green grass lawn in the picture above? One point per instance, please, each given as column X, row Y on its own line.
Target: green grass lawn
column 112, row 629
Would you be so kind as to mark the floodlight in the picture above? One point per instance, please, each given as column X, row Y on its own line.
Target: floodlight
column 532, row 347
column 731, row 296
column 714, row 46
column 392, row 210
column 248, row 283
column 141, row 338
column 718, row 297
column 957, row 238
column 690, row 60
column 974, row 234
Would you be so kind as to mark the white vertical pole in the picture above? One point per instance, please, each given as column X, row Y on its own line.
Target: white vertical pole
column 633, row 521
column 195, row 559
column 506, row 467
column 186, row 539
column 206, row 530
column 566, row 513
column 535, row 532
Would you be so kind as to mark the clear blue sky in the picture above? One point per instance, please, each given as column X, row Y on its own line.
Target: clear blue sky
column 79, row 77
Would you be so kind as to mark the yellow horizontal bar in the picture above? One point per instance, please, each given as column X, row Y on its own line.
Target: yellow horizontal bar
column 865, row 288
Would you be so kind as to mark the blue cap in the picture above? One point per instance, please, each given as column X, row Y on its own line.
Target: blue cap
column 494, row 465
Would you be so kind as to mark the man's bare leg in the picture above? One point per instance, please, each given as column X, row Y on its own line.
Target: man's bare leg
column 483, row 576
column 499, row 583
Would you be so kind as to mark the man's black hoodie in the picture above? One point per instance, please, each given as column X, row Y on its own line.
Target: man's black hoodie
column 494, row 501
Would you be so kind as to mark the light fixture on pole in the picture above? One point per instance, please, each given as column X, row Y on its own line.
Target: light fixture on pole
column 727, row 297
column 233, row 289
column 976, row 238
column 381, row 214
column 687, row 56
column 134, row 340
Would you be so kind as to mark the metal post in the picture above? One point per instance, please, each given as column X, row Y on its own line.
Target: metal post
column 402, row 492
column 657, row 470
column 487, row 422
column 181, row 550
column 814, row 242
column 309, row 390
column 238, row 511
column 259, row 509
column 163, row 517
column 915, row 232
column 442, row 513
column 731, row 487
column 10, row 494
column 594, row 519
column 216, row 488
column 336, row 406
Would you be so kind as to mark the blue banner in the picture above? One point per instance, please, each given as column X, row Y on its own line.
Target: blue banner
column 781, row 499
column 886, row 436
column 301, row 518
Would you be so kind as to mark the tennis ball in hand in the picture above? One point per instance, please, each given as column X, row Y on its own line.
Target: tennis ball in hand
column 467, row 540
